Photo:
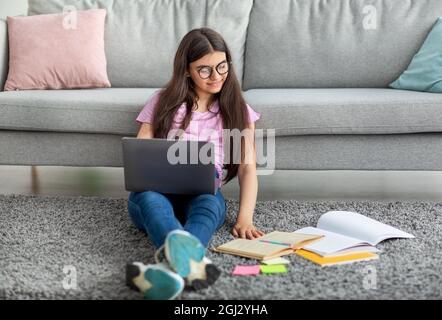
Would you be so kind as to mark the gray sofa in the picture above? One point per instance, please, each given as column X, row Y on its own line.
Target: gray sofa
column 317, row 71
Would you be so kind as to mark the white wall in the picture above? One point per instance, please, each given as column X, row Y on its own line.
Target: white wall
column 13, row 8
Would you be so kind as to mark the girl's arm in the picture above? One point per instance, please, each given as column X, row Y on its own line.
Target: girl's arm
column 248, row 183
column 146, row 131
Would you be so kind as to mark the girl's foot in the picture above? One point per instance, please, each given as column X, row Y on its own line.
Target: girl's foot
column 185, row 254
column 155, row 281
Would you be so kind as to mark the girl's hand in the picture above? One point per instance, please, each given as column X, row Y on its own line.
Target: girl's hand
column 246, row 230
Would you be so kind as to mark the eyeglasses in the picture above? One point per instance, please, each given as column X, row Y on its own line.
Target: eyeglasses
column 221, row 68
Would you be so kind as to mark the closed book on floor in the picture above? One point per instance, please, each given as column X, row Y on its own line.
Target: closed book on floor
column 338, row 259
column 269, row 246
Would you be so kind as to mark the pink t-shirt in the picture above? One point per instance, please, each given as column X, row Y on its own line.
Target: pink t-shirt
column 203, row 126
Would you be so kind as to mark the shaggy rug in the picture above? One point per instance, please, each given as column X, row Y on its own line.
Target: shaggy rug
column 77, row 248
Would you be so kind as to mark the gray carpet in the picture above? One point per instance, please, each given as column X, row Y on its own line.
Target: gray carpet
column 41, row 235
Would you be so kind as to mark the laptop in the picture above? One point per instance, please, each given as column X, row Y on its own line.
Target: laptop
column 191, row 169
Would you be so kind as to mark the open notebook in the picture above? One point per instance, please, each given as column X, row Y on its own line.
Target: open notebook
column 349, row 232
column 269, row 246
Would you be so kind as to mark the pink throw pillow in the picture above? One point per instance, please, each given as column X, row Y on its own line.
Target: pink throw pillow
column 56, row 51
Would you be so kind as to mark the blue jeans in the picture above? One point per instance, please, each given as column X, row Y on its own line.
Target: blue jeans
column 159, row 213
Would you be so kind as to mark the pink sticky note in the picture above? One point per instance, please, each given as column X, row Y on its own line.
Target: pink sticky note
column 246, row 270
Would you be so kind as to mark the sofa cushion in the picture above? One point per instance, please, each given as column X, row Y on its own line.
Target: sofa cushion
column 425, row 70
column 100, row 110
column 346, row 110
column 44, row 53
column 334, row 43
column 3, row 52
column 141, row 37
column 289, row 111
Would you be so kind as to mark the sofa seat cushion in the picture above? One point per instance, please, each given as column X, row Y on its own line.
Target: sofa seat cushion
column 346, row 110
column 289, row 111
column 99, row 110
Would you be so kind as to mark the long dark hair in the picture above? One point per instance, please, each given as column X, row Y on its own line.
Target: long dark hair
column 180, row 88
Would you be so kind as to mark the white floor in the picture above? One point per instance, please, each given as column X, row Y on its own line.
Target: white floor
column 283, row 184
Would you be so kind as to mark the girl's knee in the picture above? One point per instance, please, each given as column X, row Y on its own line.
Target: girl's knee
column 154, row 205
column 135, row 214
column 148, row 197
column 207, row 200
column 211, row 202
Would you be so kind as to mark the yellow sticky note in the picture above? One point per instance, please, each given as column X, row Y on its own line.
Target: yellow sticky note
column 275, row 268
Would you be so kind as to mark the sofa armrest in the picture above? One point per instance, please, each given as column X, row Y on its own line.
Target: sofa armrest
column 4, row 53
